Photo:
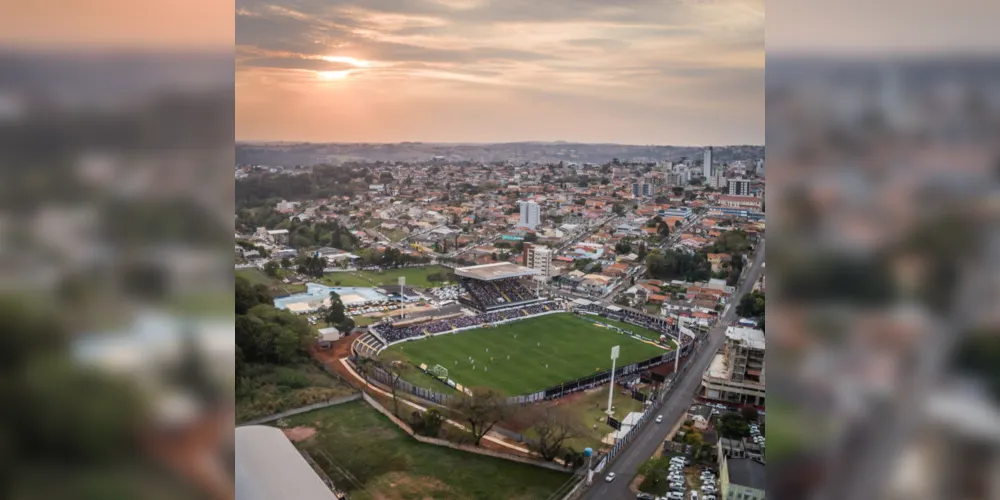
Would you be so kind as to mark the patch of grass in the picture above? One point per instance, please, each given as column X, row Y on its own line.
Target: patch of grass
column 590, row 409
column 542, row 352
column 415, row 276
column 275, row 287
column 270, row 389
column 388, row 464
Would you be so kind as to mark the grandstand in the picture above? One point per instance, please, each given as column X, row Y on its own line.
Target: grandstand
column 382, row 335
column 497, row 286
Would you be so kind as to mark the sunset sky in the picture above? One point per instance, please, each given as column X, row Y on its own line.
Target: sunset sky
column 679, row 72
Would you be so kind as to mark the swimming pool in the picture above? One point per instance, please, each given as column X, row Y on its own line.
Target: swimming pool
column 316, row 295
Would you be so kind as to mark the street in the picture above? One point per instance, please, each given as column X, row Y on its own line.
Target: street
column 652, row 434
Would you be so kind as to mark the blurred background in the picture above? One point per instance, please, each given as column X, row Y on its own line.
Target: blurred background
column 116, row 226
column 883, row 194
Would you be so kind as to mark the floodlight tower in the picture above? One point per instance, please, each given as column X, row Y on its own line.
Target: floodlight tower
column 611, row 386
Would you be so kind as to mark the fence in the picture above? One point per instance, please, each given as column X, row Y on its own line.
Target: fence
column 467, row 448
column 315, row 406
column 385, row 378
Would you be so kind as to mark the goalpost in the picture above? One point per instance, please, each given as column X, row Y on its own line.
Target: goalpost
column 439, row 372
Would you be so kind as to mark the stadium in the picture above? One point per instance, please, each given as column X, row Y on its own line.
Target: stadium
column 508, row 337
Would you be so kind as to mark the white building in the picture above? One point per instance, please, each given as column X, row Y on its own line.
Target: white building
column 530, row 215
column 707, row 166
column 540, row 259
column 718, row 181
column 736, row 375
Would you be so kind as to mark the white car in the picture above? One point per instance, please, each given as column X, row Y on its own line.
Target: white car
column 610, row 477
column 659, row 419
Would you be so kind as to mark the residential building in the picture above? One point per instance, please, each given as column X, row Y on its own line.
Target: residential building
column 530, row 215
column 718, row 181
column 643, row 190
column 736, row 375
column 540, row 258
column 739, row 187
column 741, row 479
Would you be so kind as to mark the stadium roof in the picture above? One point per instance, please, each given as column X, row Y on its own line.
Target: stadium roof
column 268, row 467
column 490, row 272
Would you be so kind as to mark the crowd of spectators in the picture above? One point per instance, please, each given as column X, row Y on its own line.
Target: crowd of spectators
column 395, row 333
column 498, row 292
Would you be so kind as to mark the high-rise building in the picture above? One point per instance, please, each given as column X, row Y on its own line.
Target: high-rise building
column 707, row 166
column 736, row 375
column 739, row 187
column 718, row 181
column 643, row 189
column 530, row 215
column 539, row 257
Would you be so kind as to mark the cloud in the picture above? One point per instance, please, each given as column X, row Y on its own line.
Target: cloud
column 581, row 56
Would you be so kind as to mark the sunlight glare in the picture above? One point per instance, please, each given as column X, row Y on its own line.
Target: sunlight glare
column 347, row 60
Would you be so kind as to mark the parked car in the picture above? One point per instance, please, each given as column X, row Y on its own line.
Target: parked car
column 610, row 477
column 659, row 419
column 645, row 496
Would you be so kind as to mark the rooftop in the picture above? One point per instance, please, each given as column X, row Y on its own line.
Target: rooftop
column 499, row 270
column 750, row 337
column 268, row 466
column 747, row 473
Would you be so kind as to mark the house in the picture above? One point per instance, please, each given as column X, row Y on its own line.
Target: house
column 701, row 415
column 326, row 337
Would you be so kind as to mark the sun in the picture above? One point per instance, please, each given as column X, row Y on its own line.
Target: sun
column 347, row 60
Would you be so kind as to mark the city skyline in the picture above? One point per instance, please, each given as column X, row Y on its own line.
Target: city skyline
column 449, row 71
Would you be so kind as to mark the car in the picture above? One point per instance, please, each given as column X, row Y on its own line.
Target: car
column 675, row 495
column 610, row 477
column 645, row 496
column 694, row 495
column 659, row 419
column 708, row 489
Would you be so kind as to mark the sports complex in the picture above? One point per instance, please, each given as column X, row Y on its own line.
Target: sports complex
column 508, row 337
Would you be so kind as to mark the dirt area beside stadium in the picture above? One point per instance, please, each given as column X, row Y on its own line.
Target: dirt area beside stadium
column 301, row 433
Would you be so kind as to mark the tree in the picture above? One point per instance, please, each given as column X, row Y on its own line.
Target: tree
column 481, row 409
column 335, row 311
column 749, row 413
column 623, row 247
column 396, row 366
column 286, row 263
column 641, row 253
column 617, row 208
column 751, row 305
column 552, row 426
column 733, row 426
column 271, row 268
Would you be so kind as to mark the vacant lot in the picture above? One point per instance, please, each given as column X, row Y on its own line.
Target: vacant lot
column 415, row 276
column 369, row 457
column 270, row 389
column 278, row 289
column 525, row 356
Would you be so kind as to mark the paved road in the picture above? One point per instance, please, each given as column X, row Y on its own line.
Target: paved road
column 650, row 437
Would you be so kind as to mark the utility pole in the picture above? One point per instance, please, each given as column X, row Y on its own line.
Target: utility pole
column 611, row 386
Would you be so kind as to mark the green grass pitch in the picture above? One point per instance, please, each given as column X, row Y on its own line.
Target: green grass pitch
column 542, row 351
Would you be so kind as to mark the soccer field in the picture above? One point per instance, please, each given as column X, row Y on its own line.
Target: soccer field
column 525, row 356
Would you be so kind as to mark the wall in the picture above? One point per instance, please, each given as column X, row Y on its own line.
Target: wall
column 304, row 409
